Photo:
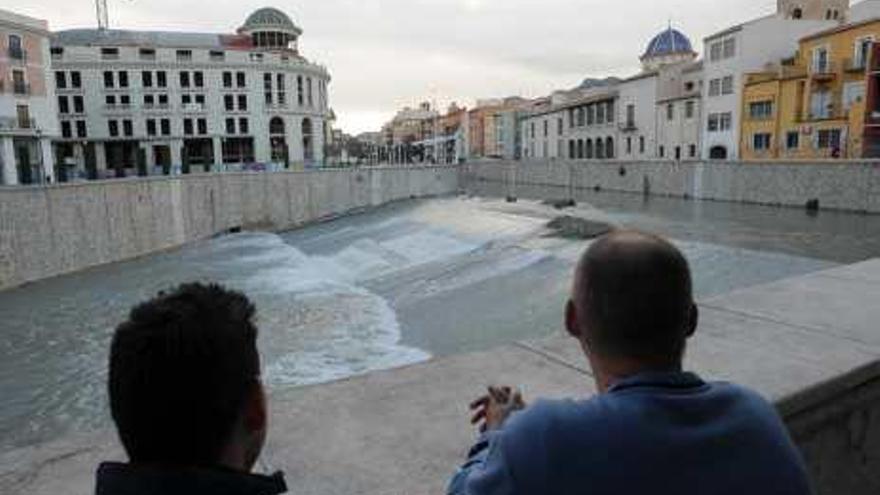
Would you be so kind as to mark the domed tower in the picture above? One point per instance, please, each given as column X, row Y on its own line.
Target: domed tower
column 826, row 10
column 271, row 29
column 668, row 48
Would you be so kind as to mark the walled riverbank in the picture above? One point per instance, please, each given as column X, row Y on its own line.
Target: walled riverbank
column 50, row 231
column 809, row 343
column 847, row 186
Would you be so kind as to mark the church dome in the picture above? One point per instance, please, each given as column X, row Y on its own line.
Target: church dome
column 270, row 19
column 669, row 42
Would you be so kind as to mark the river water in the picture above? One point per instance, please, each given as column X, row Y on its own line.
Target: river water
column 384, row 289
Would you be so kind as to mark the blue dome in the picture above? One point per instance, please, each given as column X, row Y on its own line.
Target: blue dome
column 668, row 42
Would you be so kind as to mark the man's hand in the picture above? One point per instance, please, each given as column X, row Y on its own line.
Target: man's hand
column 493, row 409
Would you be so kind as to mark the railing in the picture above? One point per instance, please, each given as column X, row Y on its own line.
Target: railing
column 825, row 70
column 854, row 65
column 17, row 124
column 21, row 88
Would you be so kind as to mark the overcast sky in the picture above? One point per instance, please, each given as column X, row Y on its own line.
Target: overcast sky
column 384, row 54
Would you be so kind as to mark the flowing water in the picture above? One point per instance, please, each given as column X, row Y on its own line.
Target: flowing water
column 385, row 289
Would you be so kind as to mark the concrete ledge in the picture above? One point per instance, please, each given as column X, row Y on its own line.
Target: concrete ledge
column 405, row 430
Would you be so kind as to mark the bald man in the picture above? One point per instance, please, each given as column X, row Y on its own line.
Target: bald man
column 653, row 428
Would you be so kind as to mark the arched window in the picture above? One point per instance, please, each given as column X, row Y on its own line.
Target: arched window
column 589, row 148
column 718, row 153
column 276, row 126
column 609, row 147
column 600, row 150
column 572, row 149
column 797, row 13
column 580, row 148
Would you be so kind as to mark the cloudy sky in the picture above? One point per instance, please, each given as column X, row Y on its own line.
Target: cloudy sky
column 384, row 54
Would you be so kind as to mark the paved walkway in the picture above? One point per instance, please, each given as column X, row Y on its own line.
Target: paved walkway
column 802, row 342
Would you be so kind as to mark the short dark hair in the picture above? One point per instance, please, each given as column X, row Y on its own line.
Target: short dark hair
column 181, row 369
column 635, row 291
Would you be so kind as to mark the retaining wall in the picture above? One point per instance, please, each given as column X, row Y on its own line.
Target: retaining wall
column 849, row 186
column 49, row 231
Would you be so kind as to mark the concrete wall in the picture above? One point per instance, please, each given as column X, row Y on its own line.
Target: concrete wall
column 850, row 186
column 50, row 231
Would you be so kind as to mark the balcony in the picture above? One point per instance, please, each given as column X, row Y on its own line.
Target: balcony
column 17, row 53
column 21, row 89
column 823, row 72
column 628, row 126
column 16, row 124
column 854, row 65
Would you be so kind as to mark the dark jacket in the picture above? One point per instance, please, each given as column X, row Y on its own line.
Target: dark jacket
column 657, row 433
column 125, row 479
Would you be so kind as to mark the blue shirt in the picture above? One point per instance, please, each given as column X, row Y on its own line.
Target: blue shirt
column 655, row 433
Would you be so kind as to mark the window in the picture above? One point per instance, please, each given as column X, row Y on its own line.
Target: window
column 546, row 127
column 581, row 113
column 187, row 127
column 149, row 101
column 761, row 110
column 229, row 103
column 203, row 126
column 729, row 48
column 309, row 90
column 242, row 103
column 184, row 79
column 532, row 130
column 761, row 141
column 63, row 105
column 268, row 98
column 161, row 79
column 629, row 145
column 109, row 53
column 199, row 79
column 15, row 49
column 299, row 90
column 267, row 81
column 227, row 79
column 230, row 126
column 113, row 128
column 609, row 116
column 715, row 87
column 60, row 80
column 81, row 129
column 821, row 64
column 725, row 121
column 600, row 114
column 184, row 55
column 713, row 123
column 127, row 127
column 692, row 151
column 185, row 99
column 78, row 104
column 715, row 51
column 165, row 124
column 243, row 126
column 56, row 52
column 19, row 87
column 571, row 118
column 661, row 152
column 828, row 139
column 66, row 131
column 163, row 100
column 642, row 144
column 727, row 85
column 108, row 79
column 821, row 106
column 240, row 79
column 200, row 100
column 110, row 100
column 151, row 127
column 689, row 110
column 631, row 116
column 670, row 111
column 792, row 140
column 147, row 79
column 217, row 55
column 123, row 79
column 559, row 127
column 75, row 80
column 147, row 54
column 862, row 52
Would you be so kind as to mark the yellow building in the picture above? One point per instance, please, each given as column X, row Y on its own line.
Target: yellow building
column 813, row 105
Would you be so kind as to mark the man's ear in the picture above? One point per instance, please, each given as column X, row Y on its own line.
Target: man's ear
column 693, row 320
column 255, row 414
column 571, row 320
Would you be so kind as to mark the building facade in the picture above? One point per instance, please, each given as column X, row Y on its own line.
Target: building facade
column 748, row 47
column 815, row 105
column 145, row 103
column 27, row 108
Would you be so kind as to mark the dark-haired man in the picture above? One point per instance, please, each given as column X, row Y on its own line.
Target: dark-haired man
column 186, row 397
column 653, row 428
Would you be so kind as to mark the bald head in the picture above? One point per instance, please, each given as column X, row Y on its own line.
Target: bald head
column 633, row 298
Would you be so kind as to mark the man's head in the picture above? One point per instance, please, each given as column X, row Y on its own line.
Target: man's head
column 185, row 380
column 632, row 305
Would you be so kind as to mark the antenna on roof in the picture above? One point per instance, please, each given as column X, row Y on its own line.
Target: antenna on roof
column 103, row 17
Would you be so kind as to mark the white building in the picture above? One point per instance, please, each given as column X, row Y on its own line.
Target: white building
column 679, row 111
column 138, row 103
column 748, row 47
column 27, row 108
